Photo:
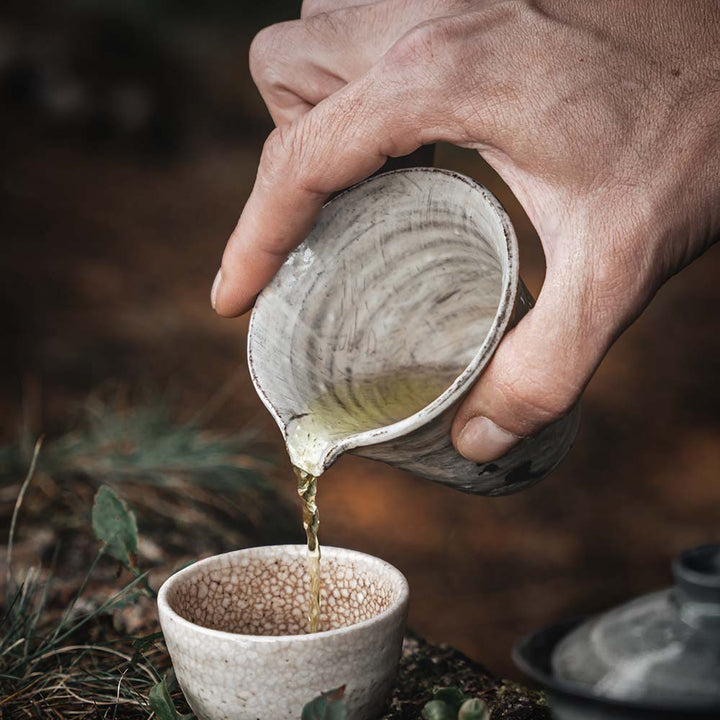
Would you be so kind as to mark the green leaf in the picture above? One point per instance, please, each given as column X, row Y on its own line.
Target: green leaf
column 161, row 703
column 114, row 524
column 315, row 709
column 473, row 709
column 438, row 710
column 453, row 696
column 328, row 706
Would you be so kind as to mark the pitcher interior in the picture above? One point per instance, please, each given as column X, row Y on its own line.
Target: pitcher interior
column 384, row 305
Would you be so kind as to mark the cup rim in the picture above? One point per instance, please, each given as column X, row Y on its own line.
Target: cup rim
column 166, row 610
column 467, row 377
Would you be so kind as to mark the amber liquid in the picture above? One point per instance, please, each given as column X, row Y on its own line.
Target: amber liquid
column 370, row 403
column 307, row 490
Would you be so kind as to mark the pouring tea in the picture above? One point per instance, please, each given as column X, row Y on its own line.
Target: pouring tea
column 377, row 326
column 410, row 272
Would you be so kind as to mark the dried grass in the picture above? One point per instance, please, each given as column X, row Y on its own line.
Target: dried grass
column 85, row 644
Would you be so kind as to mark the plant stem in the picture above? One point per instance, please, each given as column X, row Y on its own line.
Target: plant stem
column 16, row 510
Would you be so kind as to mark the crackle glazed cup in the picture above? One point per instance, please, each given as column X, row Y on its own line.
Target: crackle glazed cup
column 235, row 629
column 415, row 268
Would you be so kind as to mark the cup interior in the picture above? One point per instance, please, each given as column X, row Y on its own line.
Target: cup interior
column 401, row 277
column 265, row 591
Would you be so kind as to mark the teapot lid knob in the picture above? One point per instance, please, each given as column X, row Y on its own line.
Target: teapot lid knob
column 697, row 581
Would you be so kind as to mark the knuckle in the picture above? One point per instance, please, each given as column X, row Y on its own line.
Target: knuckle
column 513, row 11
column 261, row 50
column 279, row 153
column 510, row 21
column 444, row 7
column 266, row 52
column 324, row 27
column 289, row 156
column 538, row 396
column 425, row 42
column 312, row 7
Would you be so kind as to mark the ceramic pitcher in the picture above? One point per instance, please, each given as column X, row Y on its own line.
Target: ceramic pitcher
column 415, row 268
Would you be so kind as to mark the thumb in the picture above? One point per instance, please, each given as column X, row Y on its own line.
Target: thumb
column 538, row 372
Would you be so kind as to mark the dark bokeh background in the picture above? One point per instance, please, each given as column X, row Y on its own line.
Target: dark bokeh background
column 130, row 133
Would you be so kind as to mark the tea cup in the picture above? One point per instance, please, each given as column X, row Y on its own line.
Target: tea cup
column 235, row 629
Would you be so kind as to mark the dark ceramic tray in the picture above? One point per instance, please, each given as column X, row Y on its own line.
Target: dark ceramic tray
column 571, row 701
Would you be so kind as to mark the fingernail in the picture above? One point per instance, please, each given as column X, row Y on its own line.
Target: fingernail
column 481, row 440
column 215, row 288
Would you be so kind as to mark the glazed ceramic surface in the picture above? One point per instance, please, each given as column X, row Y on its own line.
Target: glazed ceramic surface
column 234, row 627
column 655, row 657
column 663, row 647
column 414, row 269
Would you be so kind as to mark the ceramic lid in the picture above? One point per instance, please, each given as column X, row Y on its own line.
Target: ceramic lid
column 662, row 647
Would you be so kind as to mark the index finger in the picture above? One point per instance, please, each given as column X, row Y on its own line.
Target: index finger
column 341, row 141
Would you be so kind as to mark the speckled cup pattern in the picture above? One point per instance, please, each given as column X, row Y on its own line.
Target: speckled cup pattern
column 235, row 629
column 413, row 268
column 253, row 597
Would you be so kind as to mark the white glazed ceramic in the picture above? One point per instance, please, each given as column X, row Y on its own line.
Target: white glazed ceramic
column 415, row 268
column 234, row 625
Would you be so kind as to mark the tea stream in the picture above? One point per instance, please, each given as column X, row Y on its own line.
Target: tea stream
column 339, row 412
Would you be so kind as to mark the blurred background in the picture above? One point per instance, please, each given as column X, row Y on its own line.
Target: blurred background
column 130, row 134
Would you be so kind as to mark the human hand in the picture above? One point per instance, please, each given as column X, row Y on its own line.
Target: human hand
column 603, row 119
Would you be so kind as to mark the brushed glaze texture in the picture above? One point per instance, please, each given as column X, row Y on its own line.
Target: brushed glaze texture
column 234, row 628
column 413, row 268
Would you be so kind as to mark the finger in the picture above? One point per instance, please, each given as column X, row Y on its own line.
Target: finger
column 340, row 142
column 297, row 64
column 541, row 367
column 310, row 8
